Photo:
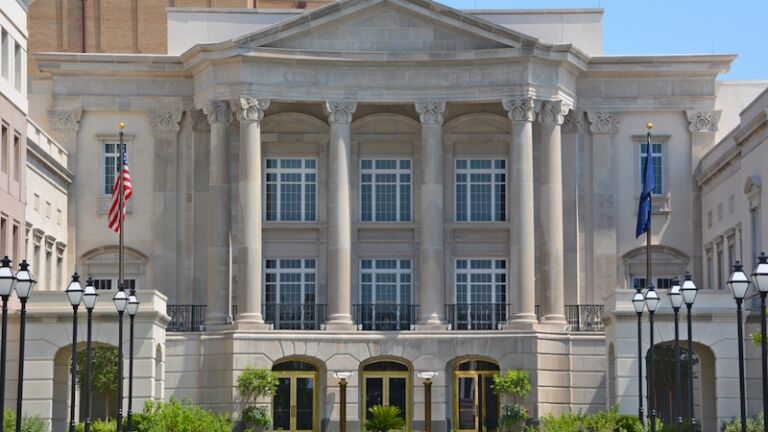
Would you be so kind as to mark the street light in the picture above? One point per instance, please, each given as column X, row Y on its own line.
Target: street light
column 427, row 377
column 739, row 283
column 24, row 284
column 7, row 281
column 342, row 376
column 75, row 295
column 89, row 299
column 760, row 276
column 638, row 301
column 121, row 302
column 676, row 298
column 689, row 291
column 133, row 308
column 652, row 302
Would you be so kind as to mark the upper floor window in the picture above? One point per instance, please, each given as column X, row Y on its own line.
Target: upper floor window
column 481, row 190
column 5, row 45
column 481, row 281
column 110, row 154
column 111, row 283
column 16, row 157
column 291, row 189
column 656, row 157
column 385, row 190
column 5, row 152
column 18, row 63
column 385, row 281
column 289, row 281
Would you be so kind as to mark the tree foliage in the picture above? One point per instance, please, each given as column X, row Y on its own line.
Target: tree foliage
column 384, row 419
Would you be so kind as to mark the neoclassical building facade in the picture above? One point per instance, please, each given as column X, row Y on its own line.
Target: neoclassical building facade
column 387, row 187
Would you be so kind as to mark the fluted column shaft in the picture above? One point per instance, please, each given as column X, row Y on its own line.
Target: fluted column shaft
column 431, row 249
column 521, row 290
column 340, row 214
column 219, row 227
column 551, row 116
column 250, row 114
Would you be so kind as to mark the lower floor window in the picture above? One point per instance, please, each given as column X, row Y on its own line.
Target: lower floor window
column 290, row 281
column 111, row 283
column 385, row 281
column 481, row 281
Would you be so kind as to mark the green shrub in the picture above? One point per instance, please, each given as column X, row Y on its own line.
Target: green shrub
column 566, row 422
column 176, row 416
column 255, row 383
column 384, row 419
column 99, row 426
column 515, row 383
column 601, row 421
column 628, row 423
column 511, row 415
column 257, row 416
column 28, row 423
column 754, row 424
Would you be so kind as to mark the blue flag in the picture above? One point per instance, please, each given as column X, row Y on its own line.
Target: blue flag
column 649, row 184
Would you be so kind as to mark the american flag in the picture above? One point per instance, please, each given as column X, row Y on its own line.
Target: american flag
column 114, row 223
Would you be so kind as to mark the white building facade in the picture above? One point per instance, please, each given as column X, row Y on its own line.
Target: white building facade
column 389, row 187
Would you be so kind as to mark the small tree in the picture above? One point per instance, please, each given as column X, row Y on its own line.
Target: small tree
column 103, row 372
column 252, row 385
column 516, row 385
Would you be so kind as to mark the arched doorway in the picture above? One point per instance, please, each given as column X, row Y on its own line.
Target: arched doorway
column 295, row 403
column 388, row 383
column 475, row 406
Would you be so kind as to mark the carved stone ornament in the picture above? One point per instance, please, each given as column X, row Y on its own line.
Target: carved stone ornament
column 199, row 121
column 65, row 119
column 430, row 112
column 165, row 121
column 574, row 122
column 218, row 112
column 703, row 121
column 251, row 108
column 519, row 109
column 603, row 122
column 553, row 112
column 340, row 111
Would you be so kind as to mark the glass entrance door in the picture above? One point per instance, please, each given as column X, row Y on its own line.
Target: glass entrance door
column 475, row 406
column 294, row 406
column 386, row 383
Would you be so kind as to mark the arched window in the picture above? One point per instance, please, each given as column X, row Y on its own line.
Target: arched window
column 667, row 262
column 295, row 403
column 101, row 264
column 387, row 383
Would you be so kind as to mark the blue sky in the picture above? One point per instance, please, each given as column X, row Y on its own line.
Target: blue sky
column 671, row 27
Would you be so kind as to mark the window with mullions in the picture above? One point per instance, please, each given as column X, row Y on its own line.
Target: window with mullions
column 385, row 190
column 291, row 189
column 662, row 283
column 289, row 281
column 109, row 162
column 481, row 281
column 656, row 154
column 385, row 281
column 111, row 283
column 481, row 190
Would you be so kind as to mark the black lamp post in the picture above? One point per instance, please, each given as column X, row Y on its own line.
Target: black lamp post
column 760, row 276
column 652, row 301
column 689, row 291
column 427, row 377
column 638, row 302
column 75, row 295
column 89, row 299
column 739, row 283
column 7, row 281
column 676, row 298
column 121, row 302
column 24, row 284
column 342, row 376
column 133, row 308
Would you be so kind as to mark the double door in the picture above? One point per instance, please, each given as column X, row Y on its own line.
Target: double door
column 476, row 407
column 294, row 407
column 387, row 389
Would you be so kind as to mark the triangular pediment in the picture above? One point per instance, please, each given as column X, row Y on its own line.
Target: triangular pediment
column 385, row 26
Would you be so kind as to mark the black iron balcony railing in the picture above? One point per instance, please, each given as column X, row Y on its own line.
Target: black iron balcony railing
column 385, row 317
column 185, row 318
column 477, row 316
column 296, row 316
column 585, row 318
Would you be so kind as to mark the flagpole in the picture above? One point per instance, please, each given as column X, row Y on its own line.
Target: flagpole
column 120, row 282
column 648, row 283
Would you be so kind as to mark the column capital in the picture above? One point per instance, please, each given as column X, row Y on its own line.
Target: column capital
column 340, row 111
column 703, row 121
column 574, row 122
column 519, row 109
column 603, row 122
column 164, row 121
column 251, row 109
column 553, row 112
column 430, row 111
column 65, row 119
column 218, row 112
column 199, row 121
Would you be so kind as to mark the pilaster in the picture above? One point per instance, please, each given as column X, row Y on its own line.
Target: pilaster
column 201, row 137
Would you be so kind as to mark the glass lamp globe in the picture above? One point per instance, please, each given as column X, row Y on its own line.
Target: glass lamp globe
column 7, row 277
column 760, row 274
column 90, row 295
column 675, row 294
column 133, row 305
column 638, row 301
column 121, row 300
column 689, row 290
column 24, row 281
column 75, row 290
column 738, row 281
column 652, row 299
column 342, row 375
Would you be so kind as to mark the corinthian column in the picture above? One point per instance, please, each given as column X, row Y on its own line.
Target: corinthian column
column 219, row 208
column 521, row 291
column 250, row 113
column 551, row 116
column 340, row 215
column 431, row 251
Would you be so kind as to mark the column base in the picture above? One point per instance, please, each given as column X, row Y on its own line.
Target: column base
column 217, row 322
column 251, row 322
column 431, row 326
column 554, row 319
column 521, row 321
column 340, row 323
column 553, row 323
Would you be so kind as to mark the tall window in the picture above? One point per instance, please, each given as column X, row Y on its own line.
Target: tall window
column 16, row 157
column 17, row 74
column 481, row 281
column 385, row 281
column 289, row 281
column 5, row 153
column 15, row 242
column 291, row 189
column 6, row 54
column 110, row 155
column 3, row 236
column 481, row 190
column 385, row 190
column 719, row 269
column 754, row 221
column 656, row 155
column 709, row 269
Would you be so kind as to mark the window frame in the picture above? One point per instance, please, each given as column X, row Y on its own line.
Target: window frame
column 105, row 186
column 398, row 172
column 399, row 271
column 469, row 271
column 278, row 171
column 660, row 181
column 492, row 171
column 304, row 270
